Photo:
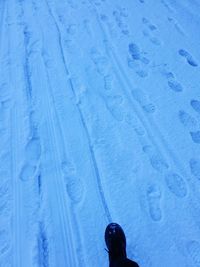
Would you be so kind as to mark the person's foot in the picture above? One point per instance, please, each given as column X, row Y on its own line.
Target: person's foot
column 115, row 241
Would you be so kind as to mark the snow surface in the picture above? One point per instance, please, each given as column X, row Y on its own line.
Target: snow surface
column 99, row 122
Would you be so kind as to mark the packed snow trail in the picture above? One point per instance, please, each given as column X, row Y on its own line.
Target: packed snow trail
column 99, row 122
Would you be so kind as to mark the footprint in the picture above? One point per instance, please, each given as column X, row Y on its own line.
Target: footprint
column 167, row 6
column 119, row 18
column 172, row 82
column 175, row 86
column 132, row 64
column 74, row 185
column 136, row 59
column 47, row 59
column 72, row 4
column 35, row 7
column 176, row 25
column 188, row 57
column 195, row 168
column 97, row 3
column 113, row 104
column 149, row 108
column 155, row 41
column 134, row 123
column 145, row 60
column 195, row 137
column 168, row 74
column 124, row 12
column 187, row 120
column 68, row 168
column 33, row 150
column 87, row 25
column 153, row 198
column 134, row 51
column 28, row 172
column 108, row 82
column 157, row 162
column 193, row 248
column 116, row 14
column 142, row 73
column 100, row 62
column 152, row 27
column 110, row 26
column 196, row 105
column 103, row 17
column 125, row 31
column 71, row 29
column 74, row 188
column 148, row 32
column 144, row 101
column 176, row 185
column 146, row 22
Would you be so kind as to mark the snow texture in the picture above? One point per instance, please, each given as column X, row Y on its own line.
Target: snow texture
column 99, row 123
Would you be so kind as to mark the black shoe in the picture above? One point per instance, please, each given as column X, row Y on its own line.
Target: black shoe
column 115, row 241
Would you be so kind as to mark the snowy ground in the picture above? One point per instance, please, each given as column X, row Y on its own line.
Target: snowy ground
column 99, row 122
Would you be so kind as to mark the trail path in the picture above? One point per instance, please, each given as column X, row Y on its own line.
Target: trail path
column 99, row 122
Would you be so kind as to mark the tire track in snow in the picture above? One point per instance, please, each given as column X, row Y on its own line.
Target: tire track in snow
column 83, row 121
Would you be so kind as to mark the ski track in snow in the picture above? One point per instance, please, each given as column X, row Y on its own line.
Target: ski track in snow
column 59, row 199
column 83, row 87
column 83, row 121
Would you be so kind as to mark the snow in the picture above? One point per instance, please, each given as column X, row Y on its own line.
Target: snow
column 99, row 123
